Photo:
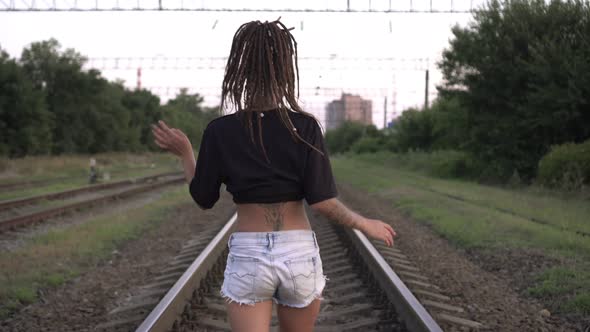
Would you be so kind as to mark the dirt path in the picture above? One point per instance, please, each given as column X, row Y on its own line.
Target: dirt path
column 84, row 302
column 490, row 298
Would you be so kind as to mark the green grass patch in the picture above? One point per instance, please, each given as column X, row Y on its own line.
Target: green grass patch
column 47, row 167
column 74, row 171
column 50, row 259
column 562, row 212
column 475, row 216
column 552, row 284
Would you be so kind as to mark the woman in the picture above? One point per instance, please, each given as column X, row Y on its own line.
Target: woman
column 270, row 154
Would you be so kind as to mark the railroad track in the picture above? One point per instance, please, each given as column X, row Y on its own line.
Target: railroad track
column 9, row 222
column 508, row 212
column 475, row 203
column 14, row 203
column 26, row 184
column 364, row 291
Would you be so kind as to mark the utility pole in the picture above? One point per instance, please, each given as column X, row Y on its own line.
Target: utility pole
column 426, row 92
column 385, row 113
column 138, row 78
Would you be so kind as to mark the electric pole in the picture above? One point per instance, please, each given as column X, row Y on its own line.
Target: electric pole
column 426, row 92
column 385, row 113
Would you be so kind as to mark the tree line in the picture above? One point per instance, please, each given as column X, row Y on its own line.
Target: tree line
column 49, row 104
column 516, row 83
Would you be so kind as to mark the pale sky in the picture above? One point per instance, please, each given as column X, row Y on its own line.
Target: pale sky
column 339, row 52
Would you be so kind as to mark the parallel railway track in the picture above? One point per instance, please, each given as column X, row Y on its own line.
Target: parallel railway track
column 22, row 219
column 13, row 203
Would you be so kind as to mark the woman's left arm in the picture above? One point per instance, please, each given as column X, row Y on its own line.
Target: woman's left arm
column 175, row 141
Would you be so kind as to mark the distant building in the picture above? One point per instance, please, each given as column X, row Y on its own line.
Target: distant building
column 349, row 108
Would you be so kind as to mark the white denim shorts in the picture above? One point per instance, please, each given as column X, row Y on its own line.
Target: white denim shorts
column 284, row 266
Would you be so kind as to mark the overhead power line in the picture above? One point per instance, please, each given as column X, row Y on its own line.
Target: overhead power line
column 218, row 63
column 341, row 6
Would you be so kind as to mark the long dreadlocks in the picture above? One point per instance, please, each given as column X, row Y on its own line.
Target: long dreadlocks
column 261, row 69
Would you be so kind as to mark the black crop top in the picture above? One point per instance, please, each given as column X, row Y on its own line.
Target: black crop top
column 296, row 171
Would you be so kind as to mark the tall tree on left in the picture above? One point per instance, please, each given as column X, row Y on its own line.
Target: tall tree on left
column 25, row 123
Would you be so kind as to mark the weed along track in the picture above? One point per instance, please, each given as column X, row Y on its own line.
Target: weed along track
column 363, row 293
column 508, row 212
column 22, row 212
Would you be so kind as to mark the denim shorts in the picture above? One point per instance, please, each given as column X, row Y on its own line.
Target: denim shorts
column 284, row 266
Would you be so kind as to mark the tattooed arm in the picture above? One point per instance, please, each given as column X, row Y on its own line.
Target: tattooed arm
column 337, row 212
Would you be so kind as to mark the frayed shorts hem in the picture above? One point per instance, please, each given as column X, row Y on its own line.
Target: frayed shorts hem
column 307, row 302
column 230, row 299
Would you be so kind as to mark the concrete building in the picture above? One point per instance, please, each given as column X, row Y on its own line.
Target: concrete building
column 349, row 108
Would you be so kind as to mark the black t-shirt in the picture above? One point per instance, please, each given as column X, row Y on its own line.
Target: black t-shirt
column 228, row 155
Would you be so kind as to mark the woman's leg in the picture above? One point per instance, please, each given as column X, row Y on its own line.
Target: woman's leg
column 248, row 318
column 298, row 319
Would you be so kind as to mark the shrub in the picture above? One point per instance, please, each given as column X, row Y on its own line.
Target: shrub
column 342, row 138
column 566, row 166
column 367, row 144
column 413, row 130
column 453, row 164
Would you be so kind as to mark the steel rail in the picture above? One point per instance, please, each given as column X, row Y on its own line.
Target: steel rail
column 167, row 311
column 163, row 316
column 67, row 193
column 41, row 215
column 414, row 315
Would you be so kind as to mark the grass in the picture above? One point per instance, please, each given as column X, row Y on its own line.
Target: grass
column 48, row 167
column 542, row 206
column 50, row 259
column 481, row 217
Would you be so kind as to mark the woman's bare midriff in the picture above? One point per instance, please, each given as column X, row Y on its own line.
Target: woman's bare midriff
column 272, row 217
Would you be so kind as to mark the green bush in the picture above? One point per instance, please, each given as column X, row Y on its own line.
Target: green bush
column 413, row 130
column 342, row 138
column 453, row 164
column 367, row 144
column 566, row 166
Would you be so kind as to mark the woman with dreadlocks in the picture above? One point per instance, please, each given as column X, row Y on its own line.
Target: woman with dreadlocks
column 270, row 154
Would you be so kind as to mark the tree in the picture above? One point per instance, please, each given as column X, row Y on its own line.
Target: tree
column 25, row 124
column 413, row 130
column 186, row 112
column 521, row 70
column 342, row 138
column 144, row 110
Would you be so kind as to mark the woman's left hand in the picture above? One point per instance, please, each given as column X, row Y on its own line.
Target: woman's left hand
column 172, row 139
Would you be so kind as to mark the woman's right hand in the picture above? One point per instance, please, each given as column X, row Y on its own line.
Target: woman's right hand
column 378, row 230
column 172, row 139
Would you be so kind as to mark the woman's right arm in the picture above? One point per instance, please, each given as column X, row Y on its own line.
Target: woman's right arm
column 337, row 212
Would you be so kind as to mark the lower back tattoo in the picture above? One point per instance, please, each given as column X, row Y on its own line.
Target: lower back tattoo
column 273, row 215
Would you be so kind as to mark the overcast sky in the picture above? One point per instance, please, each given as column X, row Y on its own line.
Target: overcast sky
column 341, row 41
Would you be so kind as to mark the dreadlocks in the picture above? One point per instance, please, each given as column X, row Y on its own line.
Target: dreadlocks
column 261, row 70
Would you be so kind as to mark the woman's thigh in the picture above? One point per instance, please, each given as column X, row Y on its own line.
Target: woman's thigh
column 249, row 318
column 298, row 319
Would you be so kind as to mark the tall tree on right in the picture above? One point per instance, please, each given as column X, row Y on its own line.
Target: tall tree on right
column 521, row 70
